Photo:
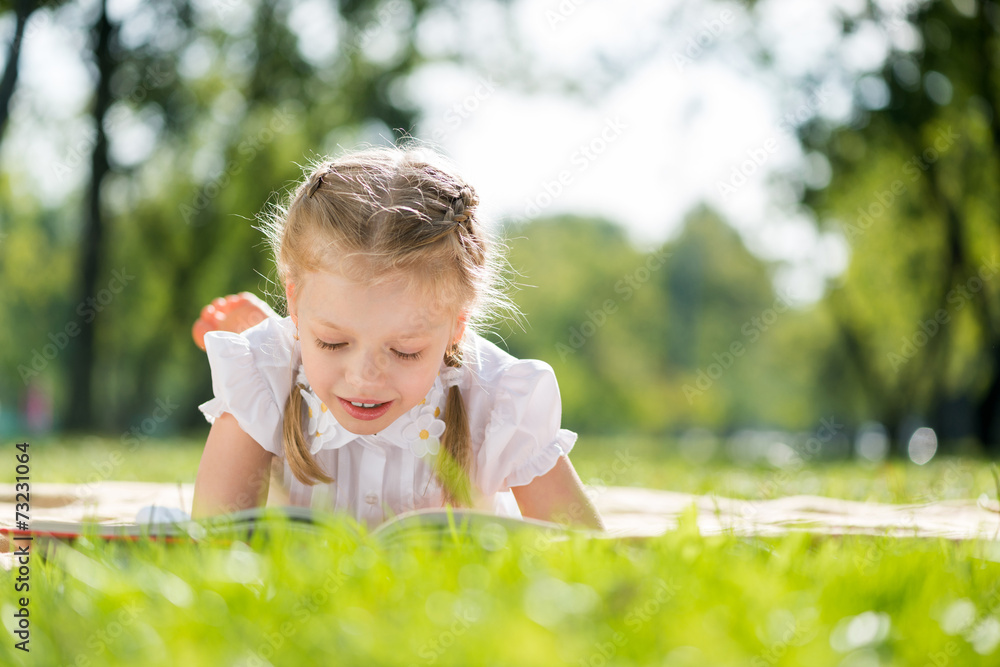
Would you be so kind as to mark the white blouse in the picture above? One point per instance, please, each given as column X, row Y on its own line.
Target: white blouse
column 513, row 408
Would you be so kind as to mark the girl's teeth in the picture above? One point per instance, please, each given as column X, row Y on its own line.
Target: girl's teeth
column 364, row 405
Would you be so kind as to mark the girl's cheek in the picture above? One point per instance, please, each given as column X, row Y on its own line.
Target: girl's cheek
column 318, row 370
column 423, row 383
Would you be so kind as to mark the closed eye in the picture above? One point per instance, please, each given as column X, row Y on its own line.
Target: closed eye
column 408, row 356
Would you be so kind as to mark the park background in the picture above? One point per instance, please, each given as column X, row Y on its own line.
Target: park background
column 763, row 230
column 757, row 241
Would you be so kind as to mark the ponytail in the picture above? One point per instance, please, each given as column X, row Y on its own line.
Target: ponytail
column 300, row 460
column 455, row 456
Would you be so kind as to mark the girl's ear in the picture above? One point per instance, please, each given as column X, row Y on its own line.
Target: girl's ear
column 290, row 295
column 460, row 327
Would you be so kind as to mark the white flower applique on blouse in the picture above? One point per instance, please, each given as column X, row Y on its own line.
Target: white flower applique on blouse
column 513, row 408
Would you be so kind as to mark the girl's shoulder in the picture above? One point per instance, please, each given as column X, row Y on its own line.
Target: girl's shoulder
column 515, row 416
column 268, row 344
column 489, row 365
column 252, row 377
column 495, row 382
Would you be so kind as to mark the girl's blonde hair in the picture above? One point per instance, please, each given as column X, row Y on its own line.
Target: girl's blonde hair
column 380, row 213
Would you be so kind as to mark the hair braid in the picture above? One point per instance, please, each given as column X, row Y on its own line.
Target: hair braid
column 454, row 459
column 304, row 466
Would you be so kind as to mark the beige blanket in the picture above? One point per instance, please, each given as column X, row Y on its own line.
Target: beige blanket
column 627, row 511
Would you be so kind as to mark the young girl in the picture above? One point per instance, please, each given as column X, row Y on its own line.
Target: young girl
column 375, row 392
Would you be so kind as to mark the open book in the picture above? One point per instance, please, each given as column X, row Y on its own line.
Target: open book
column 435, row 524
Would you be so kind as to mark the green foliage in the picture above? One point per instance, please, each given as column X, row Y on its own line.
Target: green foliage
column 231, row 131
column 913, row 189
column 654, row 341
column 644, row 341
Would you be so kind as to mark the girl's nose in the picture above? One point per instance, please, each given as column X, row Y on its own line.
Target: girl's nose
column 366, row 369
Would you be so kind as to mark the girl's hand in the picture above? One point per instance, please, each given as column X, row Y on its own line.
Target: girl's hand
column 558, row 496
column 235, row 313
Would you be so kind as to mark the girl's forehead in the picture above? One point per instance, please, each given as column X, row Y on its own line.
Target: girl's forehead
column 399, row 303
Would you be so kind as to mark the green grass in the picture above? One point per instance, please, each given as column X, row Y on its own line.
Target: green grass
column 601, row 461
column 87, row 459
column 342, row 598
column 658, row 465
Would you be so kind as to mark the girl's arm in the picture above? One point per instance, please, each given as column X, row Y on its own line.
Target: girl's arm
column 234, row 471
column 558, row 496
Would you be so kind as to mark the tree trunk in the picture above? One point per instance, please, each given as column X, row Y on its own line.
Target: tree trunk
column 8, row 82
column 988, row 410
column 79, row 413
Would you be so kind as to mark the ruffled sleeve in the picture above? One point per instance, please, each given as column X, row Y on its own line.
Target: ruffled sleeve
column 523, row 438
column 251, row 379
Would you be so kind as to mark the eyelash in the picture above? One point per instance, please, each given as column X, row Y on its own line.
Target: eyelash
column 408, row 356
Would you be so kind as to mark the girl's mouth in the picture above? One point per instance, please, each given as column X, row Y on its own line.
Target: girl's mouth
column 365, row 410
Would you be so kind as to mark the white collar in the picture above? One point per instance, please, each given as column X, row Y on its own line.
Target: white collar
column 418, row 430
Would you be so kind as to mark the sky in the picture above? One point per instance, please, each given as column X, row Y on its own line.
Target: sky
column 673, row 111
